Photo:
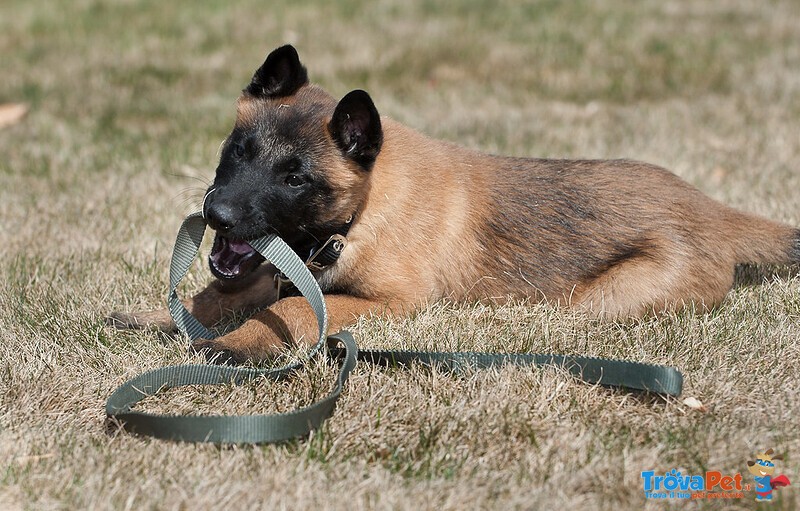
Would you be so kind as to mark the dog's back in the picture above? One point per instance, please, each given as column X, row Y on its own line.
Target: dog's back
column 615, row 236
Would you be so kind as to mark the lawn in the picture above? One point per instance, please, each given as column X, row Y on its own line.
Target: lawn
column 128, row 103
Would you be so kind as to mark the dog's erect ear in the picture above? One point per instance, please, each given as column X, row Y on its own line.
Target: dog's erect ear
column 356, row 128
column 280, row 75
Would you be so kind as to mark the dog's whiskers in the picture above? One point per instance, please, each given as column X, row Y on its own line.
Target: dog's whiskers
column 206, row 183
column 188, row 196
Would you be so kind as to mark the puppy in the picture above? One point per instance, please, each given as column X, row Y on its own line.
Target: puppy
column 405, row 220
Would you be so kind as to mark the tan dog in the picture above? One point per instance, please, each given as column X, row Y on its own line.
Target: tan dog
column 426, row 220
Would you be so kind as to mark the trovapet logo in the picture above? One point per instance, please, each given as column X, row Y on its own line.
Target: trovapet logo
column 711, row 485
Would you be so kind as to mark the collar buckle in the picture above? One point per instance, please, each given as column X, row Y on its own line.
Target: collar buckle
column 320, row 258
column 327, row 253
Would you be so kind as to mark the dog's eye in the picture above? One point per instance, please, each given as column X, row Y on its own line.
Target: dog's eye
column 294, row 180
column 238, row 150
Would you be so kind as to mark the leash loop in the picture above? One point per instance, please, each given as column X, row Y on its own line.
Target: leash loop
column 229, row 429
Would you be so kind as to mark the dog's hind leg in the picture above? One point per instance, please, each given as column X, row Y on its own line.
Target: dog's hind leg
column 653, row 283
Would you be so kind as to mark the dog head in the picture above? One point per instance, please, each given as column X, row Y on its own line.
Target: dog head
column 764, row 463
column 297, row 163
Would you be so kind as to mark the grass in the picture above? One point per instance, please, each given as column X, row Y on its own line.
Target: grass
column 128, row 103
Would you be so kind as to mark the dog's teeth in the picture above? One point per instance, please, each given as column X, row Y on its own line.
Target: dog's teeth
column 231, row 259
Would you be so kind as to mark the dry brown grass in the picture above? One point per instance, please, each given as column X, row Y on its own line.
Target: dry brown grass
column 128, row 103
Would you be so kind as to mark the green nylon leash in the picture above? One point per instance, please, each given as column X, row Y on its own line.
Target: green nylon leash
column 297, row 423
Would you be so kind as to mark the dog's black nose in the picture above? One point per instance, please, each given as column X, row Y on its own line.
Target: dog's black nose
column 222, row 216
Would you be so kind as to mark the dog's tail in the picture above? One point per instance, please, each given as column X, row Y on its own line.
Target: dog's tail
column 761, row 241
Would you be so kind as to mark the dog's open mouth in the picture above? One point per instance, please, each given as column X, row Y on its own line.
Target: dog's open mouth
column 232, row 259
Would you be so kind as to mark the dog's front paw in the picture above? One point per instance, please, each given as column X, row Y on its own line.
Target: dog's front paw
column 252, row 342
column 216, row 353
column 160, row 320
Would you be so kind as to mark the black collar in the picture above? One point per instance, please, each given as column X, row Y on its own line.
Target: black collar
column 320, row 256
column 327, row 252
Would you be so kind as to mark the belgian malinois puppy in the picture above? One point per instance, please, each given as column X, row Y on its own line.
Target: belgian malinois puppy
column 424, row 220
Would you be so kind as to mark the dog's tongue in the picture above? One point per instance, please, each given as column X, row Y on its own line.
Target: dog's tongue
column 240, row 247
column 232, row 258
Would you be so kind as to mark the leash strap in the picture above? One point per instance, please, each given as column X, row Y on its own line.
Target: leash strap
column 601, row 371
column 341, row 346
